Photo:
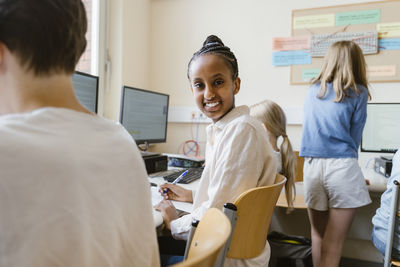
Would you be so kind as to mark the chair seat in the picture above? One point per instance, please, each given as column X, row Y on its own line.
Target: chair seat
column 395, row 263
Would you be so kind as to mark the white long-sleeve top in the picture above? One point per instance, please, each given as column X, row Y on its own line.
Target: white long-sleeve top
column 238, row 157
column 73, row 192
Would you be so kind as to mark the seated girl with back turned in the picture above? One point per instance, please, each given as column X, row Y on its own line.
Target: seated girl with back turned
column 238, row 154
column 381, row 219
column 274, row 121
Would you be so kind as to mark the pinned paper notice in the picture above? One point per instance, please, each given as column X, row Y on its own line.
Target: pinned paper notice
column 381, row 71
column 389, row 44
column 388, row 29
column 308, row 74
column 286, row 58
column 317, row 21
column 358, row 17
column 291, row 43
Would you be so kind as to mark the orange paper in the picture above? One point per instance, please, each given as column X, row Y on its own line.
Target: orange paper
column 291, row 43
column 381, row 71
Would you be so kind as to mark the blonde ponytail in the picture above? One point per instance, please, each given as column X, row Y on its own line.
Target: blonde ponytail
column 288, row 170
column 274, row 120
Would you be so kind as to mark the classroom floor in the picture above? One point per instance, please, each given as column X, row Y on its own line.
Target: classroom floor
column 346, row 262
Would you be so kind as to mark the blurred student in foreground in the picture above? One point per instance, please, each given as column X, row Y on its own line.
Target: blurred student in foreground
column 73, row 187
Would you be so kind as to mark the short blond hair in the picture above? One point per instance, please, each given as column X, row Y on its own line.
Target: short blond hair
column 344, row 66
column 274, row 120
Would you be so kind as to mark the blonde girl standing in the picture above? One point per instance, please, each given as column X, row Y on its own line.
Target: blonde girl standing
column 334, row 118
column 274, row 121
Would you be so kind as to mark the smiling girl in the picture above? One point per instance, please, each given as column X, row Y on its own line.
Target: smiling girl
column 238, row 153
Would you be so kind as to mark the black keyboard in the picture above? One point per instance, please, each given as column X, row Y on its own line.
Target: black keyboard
column 192, row 175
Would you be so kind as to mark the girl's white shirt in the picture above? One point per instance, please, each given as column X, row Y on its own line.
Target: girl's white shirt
column 238, row 157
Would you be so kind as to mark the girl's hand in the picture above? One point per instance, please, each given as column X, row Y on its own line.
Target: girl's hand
column 176, row 192
column 168, row 212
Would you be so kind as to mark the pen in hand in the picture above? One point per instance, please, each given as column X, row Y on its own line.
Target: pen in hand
column 177, row 180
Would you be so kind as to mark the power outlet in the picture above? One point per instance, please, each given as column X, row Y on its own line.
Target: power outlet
column 198, row 116
column 187, row 114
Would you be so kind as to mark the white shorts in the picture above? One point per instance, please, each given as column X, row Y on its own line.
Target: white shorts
column 334, row 183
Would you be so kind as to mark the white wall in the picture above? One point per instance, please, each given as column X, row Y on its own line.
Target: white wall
column 178, row 28
column 129, row 37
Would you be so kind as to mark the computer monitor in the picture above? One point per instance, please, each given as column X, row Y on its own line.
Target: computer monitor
column 144, row 114
column 86, row 89
column 382, row 129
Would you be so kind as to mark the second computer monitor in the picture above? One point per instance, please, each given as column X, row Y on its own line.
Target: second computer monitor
column 144, row 114
column 86, row 89
column 382, row 129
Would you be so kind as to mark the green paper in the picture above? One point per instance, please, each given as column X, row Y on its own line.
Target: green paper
column 308, row 74
column 358, row 17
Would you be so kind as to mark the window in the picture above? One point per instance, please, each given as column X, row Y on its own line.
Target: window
column 88, row 63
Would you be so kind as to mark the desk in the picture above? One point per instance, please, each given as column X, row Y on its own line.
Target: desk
column 298, row 202
column 156, row 197
column 358, row 244
column 377, row 185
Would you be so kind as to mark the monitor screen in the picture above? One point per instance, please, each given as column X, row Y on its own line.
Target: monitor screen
column 382, row 129
column 86, row 89
column 144, row 114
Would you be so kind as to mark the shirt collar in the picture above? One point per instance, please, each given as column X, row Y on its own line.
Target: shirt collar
column 231, row 115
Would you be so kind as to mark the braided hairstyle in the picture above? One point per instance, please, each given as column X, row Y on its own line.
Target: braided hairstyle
column 214, row 46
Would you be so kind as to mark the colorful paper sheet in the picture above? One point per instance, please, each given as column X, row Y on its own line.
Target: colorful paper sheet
column 358, row 17
column 389, row 44
column 388, row 29
column 291, row 43
column 308, row 74
column 317, row 21
column 286, row 58
column 381, row 71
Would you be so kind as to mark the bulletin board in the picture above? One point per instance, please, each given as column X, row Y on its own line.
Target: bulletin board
column 383, row 66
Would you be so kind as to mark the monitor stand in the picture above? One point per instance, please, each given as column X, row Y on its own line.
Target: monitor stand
column 144, row 152
column 146, row 147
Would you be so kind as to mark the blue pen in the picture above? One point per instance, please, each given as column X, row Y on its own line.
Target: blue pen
column 177, row 180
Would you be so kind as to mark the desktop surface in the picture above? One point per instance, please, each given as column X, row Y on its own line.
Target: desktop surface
column 298, row 203
column 156, row 197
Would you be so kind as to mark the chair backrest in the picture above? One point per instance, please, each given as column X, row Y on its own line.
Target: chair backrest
column 210, row 236
column 299, row 167
column 254, row 211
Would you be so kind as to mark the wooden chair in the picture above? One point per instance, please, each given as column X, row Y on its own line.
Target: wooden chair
column 394, row 213
column 251, row 221
column 299, row 167
column 210, row 236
